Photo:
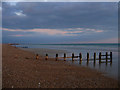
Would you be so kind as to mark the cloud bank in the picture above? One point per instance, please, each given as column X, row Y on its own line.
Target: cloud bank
column 64, row 21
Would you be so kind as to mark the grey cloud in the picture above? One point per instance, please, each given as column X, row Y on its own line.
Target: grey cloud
column 61, row 15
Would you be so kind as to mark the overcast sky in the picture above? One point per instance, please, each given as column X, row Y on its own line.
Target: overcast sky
column 63, row 22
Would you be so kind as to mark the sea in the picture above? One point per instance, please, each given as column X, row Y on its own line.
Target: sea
column 108, row 69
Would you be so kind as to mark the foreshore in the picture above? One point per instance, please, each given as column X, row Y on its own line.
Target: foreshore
column 20, row 69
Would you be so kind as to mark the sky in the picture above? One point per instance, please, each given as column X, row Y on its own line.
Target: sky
column 59, row 22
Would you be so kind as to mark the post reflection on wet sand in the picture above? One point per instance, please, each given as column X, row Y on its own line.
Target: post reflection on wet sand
column 95, row 63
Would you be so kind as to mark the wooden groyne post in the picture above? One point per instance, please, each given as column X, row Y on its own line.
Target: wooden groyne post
column 106, row 57
column 87, row 57
column 80, row 62
column 80, row 57
column 110, row 56
column 72, row 56
column 37, row 57
column 100, row 57
column 46, row 58
column 64, row 56
column 56, row 57
column 94, row 57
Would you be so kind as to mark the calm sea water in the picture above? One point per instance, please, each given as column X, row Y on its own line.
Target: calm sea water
column 109, row 69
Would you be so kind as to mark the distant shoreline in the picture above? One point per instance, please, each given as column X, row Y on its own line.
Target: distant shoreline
column 65, row 44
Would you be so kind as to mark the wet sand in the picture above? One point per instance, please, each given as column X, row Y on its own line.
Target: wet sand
column 20, row 69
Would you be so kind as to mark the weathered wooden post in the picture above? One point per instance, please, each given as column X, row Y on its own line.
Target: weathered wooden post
column 64, row 56
column 94, row 64
column 80, row 57
column 37, row 57
column 106, row 57
column 87, row 63
column 106, row 63
column 80, row 62
column 100, row 57
column 99, row 65
column 56, row 57
column 72, row 56
column 94, row 57
column 110, row 56
column 46, row 58
column 110, row 64
column 87, row 57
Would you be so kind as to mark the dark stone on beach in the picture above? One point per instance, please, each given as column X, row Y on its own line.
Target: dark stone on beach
column 26, row 58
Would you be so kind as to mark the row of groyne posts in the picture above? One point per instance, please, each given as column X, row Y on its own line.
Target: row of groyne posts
column 107, row 57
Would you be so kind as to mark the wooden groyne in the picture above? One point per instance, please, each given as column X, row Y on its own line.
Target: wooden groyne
column 102, row 57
